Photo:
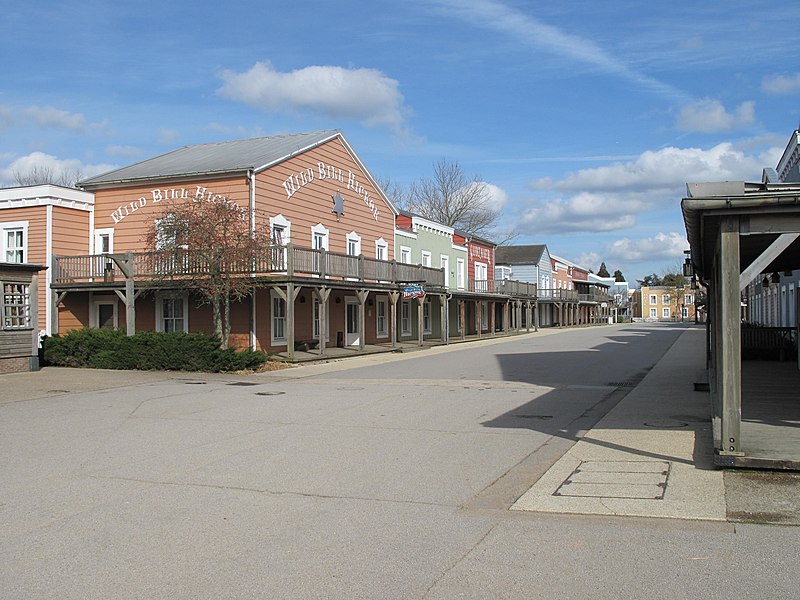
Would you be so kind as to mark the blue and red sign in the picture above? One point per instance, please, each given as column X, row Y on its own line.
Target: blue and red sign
column 413, row 291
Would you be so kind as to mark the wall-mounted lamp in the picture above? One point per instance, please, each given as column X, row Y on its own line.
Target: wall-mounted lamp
column 302, row 299
column 776, row 278
column 765, row 282
column 369, row 302
column 338, row 300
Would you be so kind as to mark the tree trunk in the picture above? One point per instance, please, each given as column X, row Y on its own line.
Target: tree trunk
column 217, row 319
column 226, row 322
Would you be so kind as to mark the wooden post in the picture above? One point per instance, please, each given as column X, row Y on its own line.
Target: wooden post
column 393, row 298
column 730, row 324
column 362, row 330
column 323, row 294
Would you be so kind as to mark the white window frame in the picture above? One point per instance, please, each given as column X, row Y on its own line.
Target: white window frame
column 315, row 315
column 184, row 298
column 382, row 320
column 684, row 312
column 99, row 234
column 653, row 313
column 427, row 321
column 320, row 232
column 381, row 249
column 282, row 224
column 14, row 226
column 653, row 298
column 665, row 299
column 461, row 271
column 688, row 299
column 665, row 313
column 275, row 302
column 444, row 263
column 425, row 259
column 15, row 306
column 356, row 240
column 405, row 317
column 405, row 255
column 482, row 276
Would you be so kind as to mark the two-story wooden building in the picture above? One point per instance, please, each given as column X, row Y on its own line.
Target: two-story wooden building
column 326, row 279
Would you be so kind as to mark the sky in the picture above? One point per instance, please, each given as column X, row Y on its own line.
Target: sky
column 585, row 119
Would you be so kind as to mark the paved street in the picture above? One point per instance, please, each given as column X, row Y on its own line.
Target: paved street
column 390, row 476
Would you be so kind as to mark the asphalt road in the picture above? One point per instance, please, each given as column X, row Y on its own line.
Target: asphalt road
column 387, row 477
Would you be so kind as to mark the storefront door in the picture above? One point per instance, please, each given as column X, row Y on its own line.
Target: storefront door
column 351, row 322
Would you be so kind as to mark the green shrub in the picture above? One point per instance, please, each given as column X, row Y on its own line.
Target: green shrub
column 147, row 351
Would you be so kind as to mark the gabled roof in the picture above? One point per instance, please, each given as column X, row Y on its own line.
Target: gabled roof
column 216, row 158
column 519, row 255
column 569, row 263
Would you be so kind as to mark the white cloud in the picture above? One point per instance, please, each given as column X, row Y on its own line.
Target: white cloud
column 41, row 162
column 497, row 196
column 48, row 116
column 780, row 84
column 609, row 198
column 667, row 169
column 366, row 95
column 710, row 116
column 588, row 260
column 663, row 246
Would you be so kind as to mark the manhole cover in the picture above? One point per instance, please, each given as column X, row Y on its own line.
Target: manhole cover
column 243, row 383
column 195, row 382
column 666, row 424
column 272, row 393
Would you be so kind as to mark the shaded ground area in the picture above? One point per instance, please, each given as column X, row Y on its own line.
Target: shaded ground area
column 762, row 497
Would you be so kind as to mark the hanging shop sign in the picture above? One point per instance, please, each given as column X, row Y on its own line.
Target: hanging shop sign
column 413, row 291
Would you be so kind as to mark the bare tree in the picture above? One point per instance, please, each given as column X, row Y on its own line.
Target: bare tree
column 452, row 199
column 209, row 247
column 39, row 175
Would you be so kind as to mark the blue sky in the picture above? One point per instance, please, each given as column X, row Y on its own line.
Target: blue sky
column 586, row 118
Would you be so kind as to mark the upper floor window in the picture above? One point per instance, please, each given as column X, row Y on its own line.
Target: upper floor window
column 15, row 242
column 426, row 258
column 353, row 244
column 405, row 255
column 688, row 299
column 653, row 299
column 381, row 249
column 665, row 298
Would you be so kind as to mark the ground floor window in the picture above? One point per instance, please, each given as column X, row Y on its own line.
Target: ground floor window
column 665, row 313
column 278, row 319
column 426, row 316
column 381, row 317
column 16, row 306
column 405, row 317
column 653, row 313
column 172, row 312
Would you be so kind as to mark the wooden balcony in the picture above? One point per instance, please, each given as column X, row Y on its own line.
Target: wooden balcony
column 289, row 260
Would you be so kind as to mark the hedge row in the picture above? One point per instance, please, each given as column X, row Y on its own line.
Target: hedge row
column 146, row 351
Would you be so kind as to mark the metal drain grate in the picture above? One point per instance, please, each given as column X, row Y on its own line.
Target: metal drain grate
column 634, row 480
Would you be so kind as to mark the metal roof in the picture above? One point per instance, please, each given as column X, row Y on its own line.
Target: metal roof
column 706, row 204
column 519, row 255
column 215, row 158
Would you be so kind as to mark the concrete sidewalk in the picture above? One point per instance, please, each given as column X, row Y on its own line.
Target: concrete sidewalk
column 651, row 456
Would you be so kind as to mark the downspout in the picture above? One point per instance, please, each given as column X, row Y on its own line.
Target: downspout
column 251, row 177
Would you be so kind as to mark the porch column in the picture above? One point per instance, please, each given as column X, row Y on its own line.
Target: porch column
column 420, row 320
column 393, row 298
column 462, row 314
column 362, row 329
column 323, row 294
column 730, row 323
column 506, row 314
column 444, row 318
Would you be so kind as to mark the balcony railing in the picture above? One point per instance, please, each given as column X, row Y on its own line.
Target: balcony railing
column 273, row 260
